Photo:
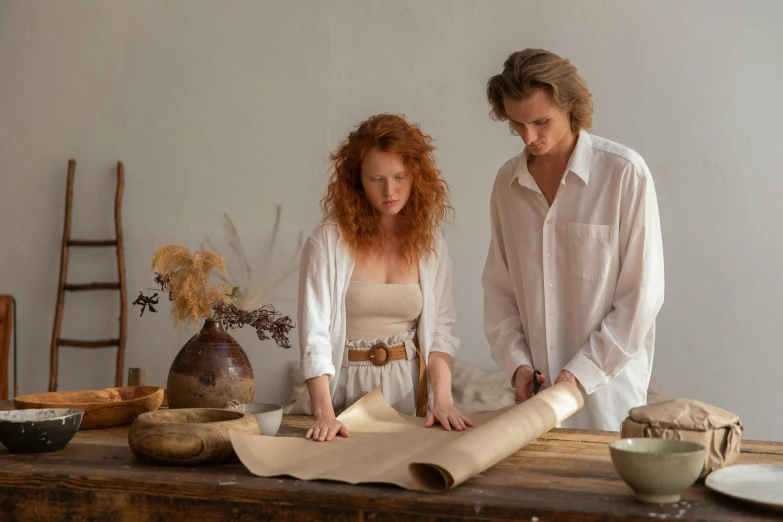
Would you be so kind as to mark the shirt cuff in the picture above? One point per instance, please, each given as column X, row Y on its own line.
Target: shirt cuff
column 312, row 367
column 512, row 360
column 590, row 376
column 444, row 346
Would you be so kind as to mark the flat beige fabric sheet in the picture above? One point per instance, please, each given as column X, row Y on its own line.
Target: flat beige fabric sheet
column 385, row 446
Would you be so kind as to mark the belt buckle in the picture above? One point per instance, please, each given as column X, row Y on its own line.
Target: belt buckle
column 375, row 351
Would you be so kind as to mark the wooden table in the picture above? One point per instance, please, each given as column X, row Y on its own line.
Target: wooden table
column 566, row 475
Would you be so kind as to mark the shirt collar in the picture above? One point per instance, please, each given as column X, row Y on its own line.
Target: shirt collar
column 579, row 163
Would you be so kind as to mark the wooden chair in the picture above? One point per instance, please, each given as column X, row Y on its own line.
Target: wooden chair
column 7, row 324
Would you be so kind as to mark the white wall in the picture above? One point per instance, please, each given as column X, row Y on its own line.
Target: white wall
column 233, row 107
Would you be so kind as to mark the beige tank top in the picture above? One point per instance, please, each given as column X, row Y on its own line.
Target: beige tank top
column 376, row 311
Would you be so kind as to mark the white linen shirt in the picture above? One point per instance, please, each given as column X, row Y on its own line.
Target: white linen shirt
column 324, row 275
column 577, row 285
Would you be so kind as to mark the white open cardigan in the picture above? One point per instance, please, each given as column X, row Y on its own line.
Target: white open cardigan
column 324, row 275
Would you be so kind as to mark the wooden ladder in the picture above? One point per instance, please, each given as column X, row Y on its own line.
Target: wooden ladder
column 57, row 341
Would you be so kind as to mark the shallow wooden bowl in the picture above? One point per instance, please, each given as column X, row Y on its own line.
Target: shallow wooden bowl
column 188, row 435
column 102, row 408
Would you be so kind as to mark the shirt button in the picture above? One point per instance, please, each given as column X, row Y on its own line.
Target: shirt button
column 549, row 285
column 551, row 347
column 548, row 221
column 551, row 316
column 549, row 254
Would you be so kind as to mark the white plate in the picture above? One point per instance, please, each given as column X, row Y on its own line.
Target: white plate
column 757, row 483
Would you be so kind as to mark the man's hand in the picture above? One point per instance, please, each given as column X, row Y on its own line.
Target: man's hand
column 567, row 376
column 523, row 383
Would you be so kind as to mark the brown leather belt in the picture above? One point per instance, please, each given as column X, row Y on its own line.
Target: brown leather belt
column 382, row 354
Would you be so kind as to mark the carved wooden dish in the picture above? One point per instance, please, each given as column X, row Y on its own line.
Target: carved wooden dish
column 102, row 408
column 188, row 435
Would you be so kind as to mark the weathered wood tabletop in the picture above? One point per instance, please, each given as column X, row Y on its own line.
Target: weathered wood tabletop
column 567, row 475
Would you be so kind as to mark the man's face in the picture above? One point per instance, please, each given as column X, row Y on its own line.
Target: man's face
column 538, row 121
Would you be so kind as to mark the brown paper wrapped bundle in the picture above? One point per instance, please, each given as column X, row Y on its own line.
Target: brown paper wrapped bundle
column 718, row 430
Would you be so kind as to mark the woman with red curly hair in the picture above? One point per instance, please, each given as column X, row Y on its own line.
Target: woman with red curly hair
column 375, row 303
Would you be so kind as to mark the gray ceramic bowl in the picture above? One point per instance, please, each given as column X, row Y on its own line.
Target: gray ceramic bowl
column 39, row 431
column 268, row 416
column 657, row 470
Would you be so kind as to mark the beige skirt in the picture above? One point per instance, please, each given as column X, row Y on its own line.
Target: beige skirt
column 399, row 379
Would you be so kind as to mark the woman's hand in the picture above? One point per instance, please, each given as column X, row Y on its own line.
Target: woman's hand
column 325, row 426
column 443, row 410
column 325, row 429
column 448, row 416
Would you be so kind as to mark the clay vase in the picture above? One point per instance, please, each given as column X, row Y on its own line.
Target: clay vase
column 209, row 371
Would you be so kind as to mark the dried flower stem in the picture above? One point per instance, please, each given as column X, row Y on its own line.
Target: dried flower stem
column 186, row 279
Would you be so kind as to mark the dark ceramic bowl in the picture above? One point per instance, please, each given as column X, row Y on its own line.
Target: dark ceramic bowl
column 38, row 431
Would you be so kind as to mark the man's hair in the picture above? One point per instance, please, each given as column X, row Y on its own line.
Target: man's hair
column 529, row 70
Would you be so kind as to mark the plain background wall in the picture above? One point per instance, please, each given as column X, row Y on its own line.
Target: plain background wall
column 233, row 107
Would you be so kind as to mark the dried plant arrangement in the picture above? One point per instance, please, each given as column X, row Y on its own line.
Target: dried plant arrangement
column 185, row 278
column 277, row 266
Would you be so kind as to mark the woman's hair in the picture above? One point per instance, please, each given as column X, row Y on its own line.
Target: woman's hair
column 346, row 203
column 526, row 71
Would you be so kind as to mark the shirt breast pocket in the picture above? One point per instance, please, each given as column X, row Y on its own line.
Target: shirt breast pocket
column 589, row 250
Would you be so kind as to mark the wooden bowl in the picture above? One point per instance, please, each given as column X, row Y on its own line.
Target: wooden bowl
column 38, row 431
column 102, row 408
column 188, row 435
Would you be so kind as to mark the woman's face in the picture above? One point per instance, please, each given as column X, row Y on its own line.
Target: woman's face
column 386, row 183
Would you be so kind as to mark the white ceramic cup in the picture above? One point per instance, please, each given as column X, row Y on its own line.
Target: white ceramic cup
column 268, row 416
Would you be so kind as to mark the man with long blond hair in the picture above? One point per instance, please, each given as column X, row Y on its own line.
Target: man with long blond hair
column 574, row 274
column 375, row 301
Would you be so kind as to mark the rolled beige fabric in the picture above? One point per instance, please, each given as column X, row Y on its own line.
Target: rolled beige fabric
column 388, row 447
